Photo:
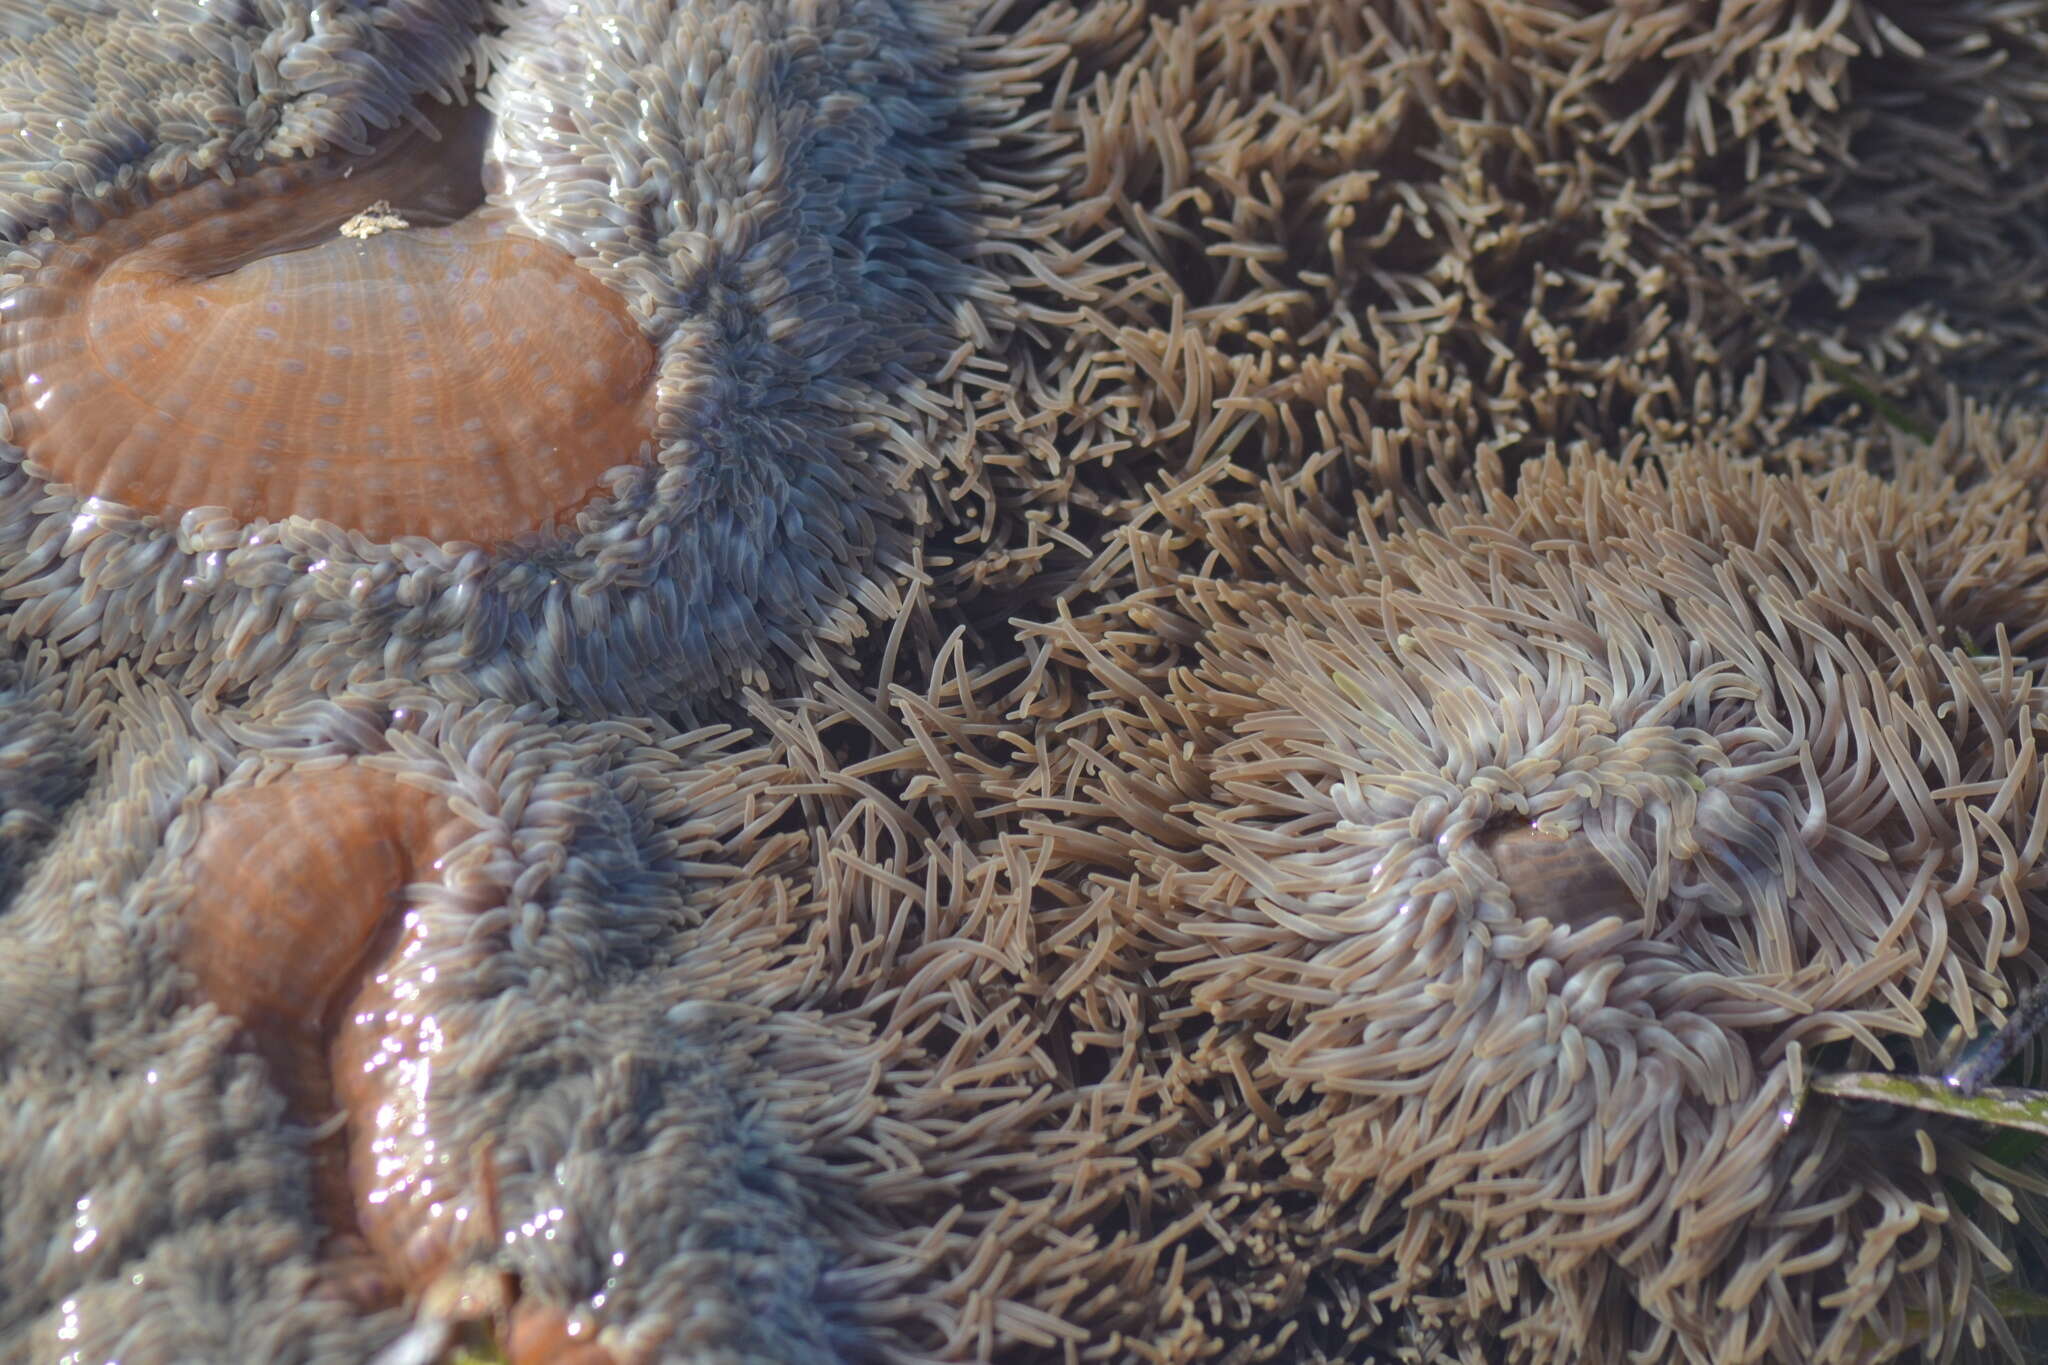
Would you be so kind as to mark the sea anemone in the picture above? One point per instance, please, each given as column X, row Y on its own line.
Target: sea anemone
column 1323, row 926
column 482, row 953
column 640, row 475
column 1395, row 240
column 1525, row 859
column 155, row 1195
column 307, row 940
column 1912, row 207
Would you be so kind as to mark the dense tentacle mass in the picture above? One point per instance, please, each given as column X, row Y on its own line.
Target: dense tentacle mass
column 1534, row 852
column 44, row 759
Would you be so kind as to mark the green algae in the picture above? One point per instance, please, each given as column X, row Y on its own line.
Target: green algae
column 2025, row 1111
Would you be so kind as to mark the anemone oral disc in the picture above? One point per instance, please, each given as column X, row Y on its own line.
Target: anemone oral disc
column 364, row 341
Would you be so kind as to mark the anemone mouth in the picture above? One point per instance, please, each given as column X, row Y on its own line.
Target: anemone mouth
column 305, row 942
column 1562, row 877
column 366, row 341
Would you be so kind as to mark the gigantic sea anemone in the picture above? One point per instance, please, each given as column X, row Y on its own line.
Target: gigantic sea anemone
column 1395, row 240
column 378, row 1002
column 603, row 394
column 1524, row 861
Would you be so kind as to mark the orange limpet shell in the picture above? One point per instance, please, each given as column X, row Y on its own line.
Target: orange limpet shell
column 227, row 345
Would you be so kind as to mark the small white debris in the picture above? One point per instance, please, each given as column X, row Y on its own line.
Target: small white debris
column 379, row 217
